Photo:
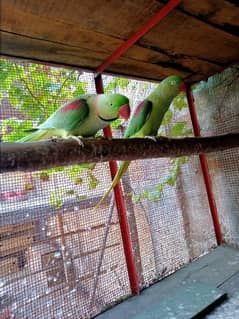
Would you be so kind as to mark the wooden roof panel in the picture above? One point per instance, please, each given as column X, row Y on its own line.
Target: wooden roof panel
column 180, row 34
column 196, row 40
column 113, row 17
column 219, row 13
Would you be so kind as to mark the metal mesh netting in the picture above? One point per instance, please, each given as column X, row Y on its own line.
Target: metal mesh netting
column 51, row 242
column 218, row 112
column 174, row 227
column 59, row 256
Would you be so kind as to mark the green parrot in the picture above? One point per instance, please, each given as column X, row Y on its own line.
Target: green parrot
column 82, row 116
column 147, row 119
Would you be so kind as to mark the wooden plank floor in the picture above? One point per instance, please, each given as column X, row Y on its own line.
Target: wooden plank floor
column 229, row 309
column 219, row 269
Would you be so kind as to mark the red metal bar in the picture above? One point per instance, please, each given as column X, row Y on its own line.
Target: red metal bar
column 124, row 227
column 205, row 170
column 167, row 8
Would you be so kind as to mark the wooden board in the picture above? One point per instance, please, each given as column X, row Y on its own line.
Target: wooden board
column 12, row 229
column 8, row 265
column 186, row 302
column 196, row 40
column 16, row 243
column 198, row 279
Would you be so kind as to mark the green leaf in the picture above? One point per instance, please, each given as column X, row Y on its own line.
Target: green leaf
column 78, row 181
column 56, row 199
column 29, row 186
column 180, row 101
column 188, row 132
column 44, row 176
column 110, row 87
column 154, row 196
column 172, row 180
column 12, row 129
column 159, row 188
column 145, row 194
column 90, row 166
column 93, row 181
column 81, row 197
column 74, row 171
column 179, row 129
column 115, row 84
column 136, row 198
column 122, row 82
column 57, row 169
column 70, row 192
column 80, row 89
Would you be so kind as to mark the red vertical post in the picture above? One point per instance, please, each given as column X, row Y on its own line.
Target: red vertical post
column 119, row 199
column 124, row 227
column 205, row 170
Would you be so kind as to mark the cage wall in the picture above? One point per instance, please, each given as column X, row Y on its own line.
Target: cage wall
column 217, row 107
column 170, row 211
column 58, row 255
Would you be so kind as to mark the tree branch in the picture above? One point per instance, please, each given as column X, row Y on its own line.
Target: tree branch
column 59, row 152
column 42, row 107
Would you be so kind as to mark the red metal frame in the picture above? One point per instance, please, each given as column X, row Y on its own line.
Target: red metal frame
column 120, row 204
column 167, row 8
column 205, row 170
column 124, row 227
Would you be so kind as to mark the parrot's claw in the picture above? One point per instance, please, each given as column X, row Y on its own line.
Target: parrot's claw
column 77, row 139
column 152, row 138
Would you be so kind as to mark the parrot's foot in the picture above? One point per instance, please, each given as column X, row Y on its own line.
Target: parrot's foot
column 77, row 139
column 152, row 138
column 53, row 139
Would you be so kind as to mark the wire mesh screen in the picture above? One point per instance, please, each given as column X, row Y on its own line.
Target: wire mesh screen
column 55, row 258
column 170, row 208
column 60, row 257
column 218, row 112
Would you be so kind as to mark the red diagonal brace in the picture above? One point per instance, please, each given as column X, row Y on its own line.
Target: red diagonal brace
column 166, row 9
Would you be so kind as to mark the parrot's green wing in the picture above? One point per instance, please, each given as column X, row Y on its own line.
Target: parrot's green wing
column 140, row 116
column 67, row 117
column 62, row 122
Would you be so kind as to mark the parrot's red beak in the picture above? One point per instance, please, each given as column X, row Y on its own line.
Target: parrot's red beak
column 124, row 112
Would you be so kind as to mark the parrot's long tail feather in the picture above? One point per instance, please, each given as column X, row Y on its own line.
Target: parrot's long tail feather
column 122, row 169
column 35, row 136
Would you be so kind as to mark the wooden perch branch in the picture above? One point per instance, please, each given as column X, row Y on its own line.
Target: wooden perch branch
column 60, row 152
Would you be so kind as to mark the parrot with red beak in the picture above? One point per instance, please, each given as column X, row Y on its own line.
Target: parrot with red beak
column 83, row 116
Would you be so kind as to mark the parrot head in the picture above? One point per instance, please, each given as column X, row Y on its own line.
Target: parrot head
column 110, row 107
column 173, row 85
